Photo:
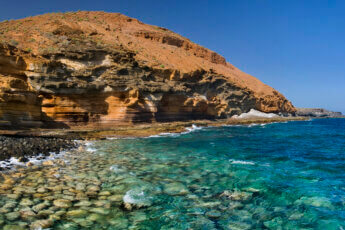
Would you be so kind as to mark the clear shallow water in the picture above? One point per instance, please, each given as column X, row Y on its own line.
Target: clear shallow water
column 274, row 176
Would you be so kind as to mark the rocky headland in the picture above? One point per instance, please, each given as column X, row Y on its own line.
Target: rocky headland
column 96, row 69
column 318, row 113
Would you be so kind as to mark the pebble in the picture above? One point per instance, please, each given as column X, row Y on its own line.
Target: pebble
column 27, row 214
column 92, row 189
column 39, row 207
column 61, row 203
column 13, row 196
column 175, row 189
column 213, row 214
column 77, row 213
column 41, row 224
column 115, row 198
column 101, row 211
column 26, row 202
column 104, row 193
column 95, row 217
column 13, row 227
column 9, row 205
column 83, row 203
column 45, row 213
column 12, row 216
column 42, row 190
column 48, row 163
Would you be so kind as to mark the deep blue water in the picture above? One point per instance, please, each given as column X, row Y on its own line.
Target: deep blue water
column 273, row 176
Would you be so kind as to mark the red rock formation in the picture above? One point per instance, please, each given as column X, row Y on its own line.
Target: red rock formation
column 101, row 69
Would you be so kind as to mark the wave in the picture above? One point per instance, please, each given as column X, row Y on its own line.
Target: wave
column 193, row 128
column 241, row 162
column 34, row 160
column 137, row 196
column 121, row 138
column 91, row 150
column 117, row 169
column 89, row 146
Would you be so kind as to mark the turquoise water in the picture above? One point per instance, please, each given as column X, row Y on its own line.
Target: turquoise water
column 296, row 170
column 273, row 176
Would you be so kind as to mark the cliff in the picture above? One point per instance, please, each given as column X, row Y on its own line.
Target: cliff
column 100, row 69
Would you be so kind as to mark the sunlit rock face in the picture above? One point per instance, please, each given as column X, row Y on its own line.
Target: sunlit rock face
column 70, row 72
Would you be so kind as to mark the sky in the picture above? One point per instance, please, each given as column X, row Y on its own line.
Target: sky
column 295, row 46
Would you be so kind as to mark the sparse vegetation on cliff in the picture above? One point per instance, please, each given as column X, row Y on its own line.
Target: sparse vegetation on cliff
column 96, row 68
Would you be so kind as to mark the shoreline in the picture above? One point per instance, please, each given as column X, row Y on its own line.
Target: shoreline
column 22, row 147
column 139, row 129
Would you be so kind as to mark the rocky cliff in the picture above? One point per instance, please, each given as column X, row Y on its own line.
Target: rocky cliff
column 101, row 69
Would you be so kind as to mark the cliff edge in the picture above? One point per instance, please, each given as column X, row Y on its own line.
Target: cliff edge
column 98, row 69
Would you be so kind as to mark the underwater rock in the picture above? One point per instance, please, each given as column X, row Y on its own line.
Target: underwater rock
column 41, row 224
column 213, row 214
column 77, row 213
column 62, row 203
column 13, row 227
column 237, row 195
column 136, row 197
column 115, row 198
column 175, row 189
column 275, row 223
column 315, row 201
column 101, row 211
column 12, row 216
column 26, row 202
column 83, row 203
column 238, row 226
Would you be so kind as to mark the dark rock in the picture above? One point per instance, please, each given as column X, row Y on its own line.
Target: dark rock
column 24, row 147
column 316, row 112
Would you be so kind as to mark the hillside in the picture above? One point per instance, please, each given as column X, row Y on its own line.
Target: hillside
column 96, row 68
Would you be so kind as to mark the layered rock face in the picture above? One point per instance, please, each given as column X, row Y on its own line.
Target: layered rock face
column 99, row 69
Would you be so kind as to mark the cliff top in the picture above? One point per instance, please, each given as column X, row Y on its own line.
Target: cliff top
column 153, row 46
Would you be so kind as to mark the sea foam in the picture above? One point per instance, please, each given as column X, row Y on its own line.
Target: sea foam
column 241, row 162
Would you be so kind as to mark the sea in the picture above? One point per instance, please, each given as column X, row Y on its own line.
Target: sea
column 287, row 175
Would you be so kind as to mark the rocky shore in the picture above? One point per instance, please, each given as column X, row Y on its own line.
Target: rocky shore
column 318, row 113
column 23, row 144
column 22, row 148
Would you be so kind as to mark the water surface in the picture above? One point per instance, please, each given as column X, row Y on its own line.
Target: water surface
column 273, row 176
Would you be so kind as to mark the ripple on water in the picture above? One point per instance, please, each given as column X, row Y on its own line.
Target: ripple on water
column 184, row 182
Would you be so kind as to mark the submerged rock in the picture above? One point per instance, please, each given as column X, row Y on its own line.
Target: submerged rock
column 12, row 216
column 62, row 203
column 213, row 214
column 175, row 189
column 101, row 211
column 26, row 202
column 83, row 203
column 41, row 224
column 238, row 226
column 315, row 201
column 136, row 198
column 77, row 213
column 237, row 195
column 13, row 227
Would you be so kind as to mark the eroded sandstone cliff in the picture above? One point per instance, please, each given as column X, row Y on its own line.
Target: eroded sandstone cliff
column 101, row 69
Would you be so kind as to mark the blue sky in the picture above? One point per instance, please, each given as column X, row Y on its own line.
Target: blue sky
column 295, row 46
